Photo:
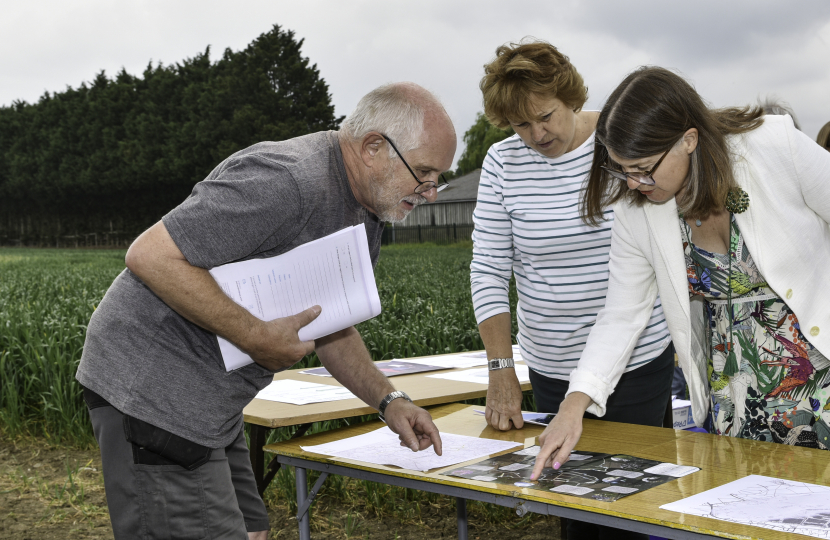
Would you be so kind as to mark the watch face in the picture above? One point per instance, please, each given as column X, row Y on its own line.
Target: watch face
column 500, row 363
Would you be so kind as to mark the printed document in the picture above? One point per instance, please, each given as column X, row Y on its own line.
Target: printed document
column 334, row 272
column 303, row 393
column 382, row 447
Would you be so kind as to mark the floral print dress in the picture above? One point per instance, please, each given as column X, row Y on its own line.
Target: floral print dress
column 767, row 382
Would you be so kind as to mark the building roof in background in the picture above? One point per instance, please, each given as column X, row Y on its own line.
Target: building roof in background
column 463, row 188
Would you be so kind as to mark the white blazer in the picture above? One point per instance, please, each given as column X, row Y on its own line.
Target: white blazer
column 787, row 178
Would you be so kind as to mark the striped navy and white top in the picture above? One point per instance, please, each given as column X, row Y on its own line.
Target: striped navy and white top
column 527, row 222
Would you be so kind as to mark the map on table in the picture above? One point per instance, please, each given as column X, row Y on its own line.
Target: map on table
column 382, row 447
column 761, row 501
column 390, row 368
column 590, row 475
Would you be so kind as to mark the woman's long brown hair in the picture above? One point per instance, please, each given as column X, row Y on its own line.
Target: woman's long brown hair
column 646, row 115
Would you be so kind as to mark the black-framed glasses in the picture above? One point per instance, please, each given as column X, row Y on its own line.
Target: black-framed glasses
column 440, row 185
column 644, row 178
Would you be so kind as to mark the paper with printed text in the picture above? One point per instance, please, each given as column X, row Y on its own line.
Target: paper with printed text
column 334, row 272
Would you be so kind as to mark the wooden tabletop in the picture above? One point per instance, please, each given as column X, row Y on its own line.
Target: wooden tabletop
column 423, row 391
column 721, row 460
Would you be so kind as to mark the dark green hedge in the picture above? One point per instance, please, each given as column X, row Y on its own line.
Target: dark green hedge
column 119, row 153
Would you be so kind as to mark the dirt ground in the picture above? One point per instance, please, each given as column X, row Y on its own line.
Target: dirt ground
column 53, row 493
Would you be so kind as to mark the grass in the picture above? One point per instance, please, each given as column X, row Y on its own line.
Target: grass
column 46, row 300
column 67, row 497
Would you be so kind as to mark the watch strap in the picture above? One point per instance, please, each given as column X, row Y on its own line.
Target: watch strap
column 390, row 397
column 500, row 363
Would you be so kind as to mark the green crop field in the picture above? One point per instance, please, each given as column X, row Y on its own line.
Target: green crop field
column 48, row 296
column 46, row 299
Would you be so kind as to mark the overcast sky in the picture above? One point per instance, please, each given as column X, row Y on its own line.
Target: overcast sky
column 732, row 51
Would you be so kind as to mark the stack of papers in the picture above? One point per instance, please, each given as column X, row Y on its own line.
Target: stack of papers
column 334, row 272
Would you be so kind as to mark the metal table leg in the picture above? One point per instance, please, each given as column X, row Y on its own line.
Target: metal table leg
column 258, row 436
column 304, row 500
column 461, row 514
column 302, row 495
column 521, row 506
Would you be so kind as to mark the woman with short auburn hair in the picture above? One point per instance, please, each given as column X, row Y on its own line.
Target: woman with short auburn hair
column 522, row 70
column 726, row 214
column 527, row 225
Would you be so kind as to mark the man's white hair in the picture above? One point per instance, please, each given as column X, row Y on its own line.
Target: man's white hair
column 392, row 110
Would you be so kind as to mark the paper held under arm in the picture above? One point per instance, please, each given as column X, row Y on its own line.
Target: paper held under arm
column 334, row 272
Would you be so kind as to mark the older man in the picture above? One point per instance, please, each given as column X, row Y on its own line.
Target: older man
column 166, row 414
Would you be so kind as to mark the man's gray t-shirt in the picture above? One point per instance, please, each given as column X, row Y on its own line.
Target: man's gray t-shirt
column 151, row 363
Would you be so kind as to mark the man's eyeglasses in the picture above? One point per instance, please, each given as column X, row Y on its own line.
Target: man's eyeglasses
column 644, row 178
column 422, row 186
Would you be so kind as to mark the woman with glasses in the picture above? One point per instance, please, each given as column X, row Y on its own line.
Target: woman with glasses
column 724, row 213
column 527, row 225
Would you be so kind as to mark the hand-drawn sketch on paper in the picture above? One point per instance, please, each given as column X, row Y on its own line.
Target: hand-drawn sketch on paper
column 761, row 501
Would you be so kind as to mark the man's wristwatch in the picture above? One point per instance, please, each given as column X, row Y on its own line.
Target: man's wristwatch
column 388, row 399
column 500, row 363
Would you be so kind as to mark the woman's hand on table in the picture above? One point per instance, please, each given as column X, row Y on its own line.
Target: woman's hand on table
column 413, row 425
column 562, row 434
column 504, row 400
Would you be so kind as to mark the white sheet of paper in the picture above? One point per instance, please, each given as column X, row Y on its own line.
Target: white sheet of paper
column 762, row 501
column 671, row 469
column 481, row 375
column 515, row 467
column 334, row 272
column 303, row 393
column 483, row 478
column 573, row 490
column 448, row 361
column 382, row 447
column 462, row 360
column 624, row 473
column 620, row 489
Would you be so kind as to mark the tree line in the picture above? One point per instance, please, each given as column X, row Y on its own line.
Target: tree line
column 115, row 154
column 478, row 140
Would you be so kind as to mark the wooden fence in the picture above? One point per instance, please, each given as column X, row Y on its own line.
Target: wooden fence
column 438, row 234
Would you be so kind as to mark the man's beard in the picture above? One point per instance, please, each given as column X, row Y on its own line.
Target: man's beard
column 387, row 200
